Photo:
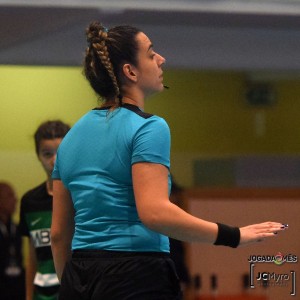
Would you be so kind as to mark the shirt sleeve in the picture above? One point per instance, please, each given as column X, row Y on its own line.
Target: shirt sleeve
column 152, row 142
column 23, row 228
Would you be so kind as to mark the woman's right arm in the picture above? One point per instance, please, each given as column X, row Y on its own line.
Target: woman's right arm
column 150, row 183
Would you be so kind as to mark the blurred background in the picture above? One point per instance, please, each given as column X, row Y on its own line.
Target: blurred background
column 233, row 106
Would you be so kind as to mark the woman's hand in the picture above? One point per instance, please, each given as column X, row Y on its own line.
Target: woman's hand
column 259, row 232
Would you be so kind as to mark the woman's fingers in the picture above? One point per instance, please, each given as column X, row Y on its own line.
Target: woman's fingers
column 259, row 232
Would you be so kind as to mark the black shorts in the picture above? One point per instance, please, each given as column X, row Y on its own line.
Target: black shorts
column 110, row 275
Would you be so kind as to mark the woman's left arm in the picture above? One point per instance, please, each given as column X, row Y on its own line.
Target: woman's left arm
column 62, row 228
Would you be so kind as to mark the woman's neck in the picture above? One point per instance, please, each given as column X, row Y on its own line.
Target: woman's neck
column 129, row 96
column 125, row 100
column 133, row 96
column 132, row 101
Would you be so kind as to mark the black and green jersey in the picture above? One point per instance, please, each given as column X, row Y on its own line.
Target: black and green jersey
column 35, row 222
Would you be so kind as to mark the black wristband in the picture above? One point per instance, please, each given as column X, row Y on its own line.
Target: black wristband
column 228, row 236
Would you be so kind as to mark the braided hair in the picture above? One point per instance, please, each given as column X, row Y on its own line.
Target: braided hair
column 106, row 53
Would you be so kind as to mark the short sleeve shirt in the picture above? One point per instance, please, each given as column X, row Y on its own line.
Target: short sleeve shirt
column 94, row 162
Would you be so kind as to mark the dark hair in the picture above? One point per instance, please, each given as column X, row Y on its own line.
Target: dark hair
column 50, row 130
column 107, row 51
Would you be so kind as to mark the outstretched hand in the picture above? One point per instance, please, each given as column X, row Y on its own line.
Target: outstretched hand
column 259, row 232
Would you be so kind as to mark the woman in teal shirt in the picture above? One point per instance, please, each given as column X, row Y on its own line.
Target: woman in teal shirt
column 111, row 212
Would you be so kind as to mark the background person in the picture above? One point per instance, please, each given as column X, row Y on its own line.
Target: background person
column 36, row 215
column 12, row 279
column 111, row 210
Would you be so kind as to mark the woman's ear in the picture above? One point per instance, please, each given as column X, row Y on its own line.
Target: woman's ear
column 130, row 72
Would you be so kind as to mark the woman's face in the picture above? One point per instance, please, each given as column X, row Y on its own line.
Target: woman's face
column 149, row 69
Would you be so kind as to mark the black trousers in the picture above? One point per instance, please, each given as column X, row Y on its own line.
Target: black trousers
column 12, row 288
column 110, row 275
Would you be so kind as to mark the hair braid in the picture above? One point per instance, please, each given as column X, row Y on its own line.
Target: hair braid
column 99, row 45
column 105, row 56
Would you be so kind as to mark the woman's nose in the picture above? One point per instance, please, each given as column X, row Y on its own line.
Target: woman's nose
column 161, row 60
